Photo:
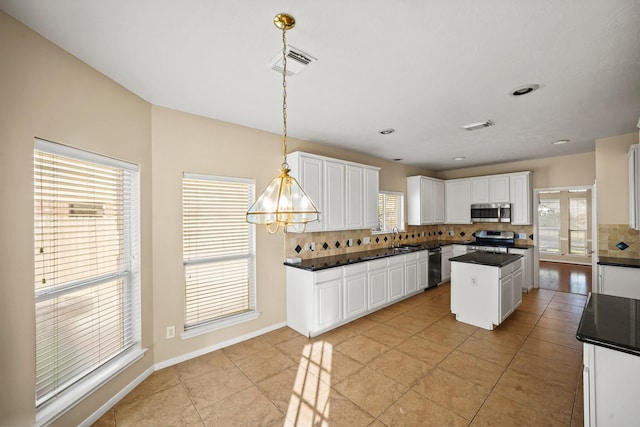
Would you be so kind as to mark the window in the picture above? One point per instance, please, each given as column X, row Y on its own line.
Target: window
column 390, row 211
column 578, row 226
column 86, row 273
column 219, row 252
column 549, row 225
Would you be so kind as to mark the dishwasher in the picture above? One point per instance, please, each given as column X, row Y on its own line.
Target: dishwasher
column 435, row 267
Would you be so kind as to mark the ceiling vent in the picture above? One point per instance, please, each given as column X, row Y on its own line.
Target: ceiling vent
column 297, row 61
column 482, row 125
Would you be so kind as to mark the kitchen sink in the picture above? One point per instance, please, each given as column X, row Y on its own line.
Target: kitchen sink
column 403, row 249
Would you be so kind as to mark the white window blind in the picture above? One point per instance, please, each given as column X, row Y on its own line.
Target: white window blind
column 219, row 250
column 86, row 265
column 390, row 211
column 549, row 226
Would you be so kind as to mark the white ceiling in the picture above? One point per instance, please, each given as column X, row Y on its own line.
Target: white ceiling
column 425, row 68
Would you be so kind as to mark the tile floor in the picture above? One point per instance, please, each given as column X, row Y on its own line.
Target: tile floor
column 410, row 364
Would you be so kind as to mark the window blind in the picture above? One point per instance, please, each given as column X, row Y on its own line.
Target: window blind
column 218, row 248
column 86, row 273
column 390, row 211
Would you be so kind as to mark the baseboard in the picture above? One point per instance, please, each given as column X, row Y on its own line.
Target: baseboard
column 115, row 399
column 217, row 346
column 170, row 362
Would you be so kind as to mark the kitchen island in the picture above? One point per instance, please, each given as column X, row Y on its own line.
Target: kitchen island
column 485, row 287
column 610, row 331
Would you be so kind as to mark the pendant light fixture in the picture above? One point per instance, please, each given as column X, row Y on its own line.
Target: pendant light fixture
column 283, row 203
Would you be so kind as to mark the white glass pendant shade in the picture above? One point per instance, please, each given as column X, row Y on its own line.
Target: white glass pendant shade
column 283, row 204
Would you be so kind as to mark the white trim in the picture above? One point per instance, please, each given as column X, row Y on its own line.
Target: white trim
column 205, row 328
column 65, row 150
column 116, row 398
column 66, row 400
column 203, row 177
column 218, row 346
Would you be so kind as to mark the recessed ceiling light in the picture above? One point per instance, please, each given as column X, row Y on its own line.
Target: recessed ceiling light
column 457, row 159
column 560, row 141
column 387, row 131
column 523, row 90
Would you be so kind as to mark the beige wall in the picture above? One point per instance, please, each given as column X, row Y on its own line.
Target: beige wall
column 48, row 93
column 612, row 171
column 563, row 171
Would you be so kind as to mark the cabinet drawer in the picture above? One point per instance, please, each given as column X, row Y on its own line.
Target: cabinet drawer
column 359, row 268
column 395, row 260
column 411, row 257
column 378, row 264
column 329, row 274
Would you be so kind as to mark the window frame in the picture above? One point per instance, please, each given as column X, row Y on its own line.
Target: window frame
column 80, row 386
column 401, row 214
column 206, row 326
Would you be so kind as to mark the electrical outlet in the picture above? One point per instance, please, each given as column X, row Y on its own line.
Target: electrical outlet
column 474, row 281
column 451, row 233
column 350, row 242
column 366, row 240
column 521, row 236
column 313, row 246
column 171, row 332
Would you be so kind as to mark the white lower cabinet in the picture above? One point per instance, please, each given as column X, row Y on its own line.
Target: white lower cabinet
column 445, row 264
column 323, row 300
column 506, row 297
column 410, row 273
column 355, row 291
column 527, row 272
column 423, row 269
column 610, row 381
column 396, row 277
column 377, row 276
column 619, row 281
column 518, row 283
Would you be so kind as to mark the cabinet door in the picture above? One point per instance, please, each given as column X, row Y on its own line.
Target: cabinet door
column 423, row 270
column 334, row 195
column 520, row 189
column 506, row 296
column 458, row 201
column 411, row 277
column 377, row 288
column 396, row 281
column 355, row 197
column 328, row 301
column 309, row 171
column 499, row 189
column 355, row 295
column 445, row 264
column 438, row 200
column 619, row 281
column 518, row 285
column 426, row 201
column 371, row 190
column 480, row 190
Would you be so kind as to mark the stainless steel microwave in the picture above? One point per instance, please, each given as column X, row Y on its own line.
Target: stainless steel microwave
column 491, row 212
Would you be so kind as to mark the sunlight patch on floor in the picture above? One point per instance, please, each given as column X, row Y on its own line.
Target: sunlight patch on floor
column 309, row 402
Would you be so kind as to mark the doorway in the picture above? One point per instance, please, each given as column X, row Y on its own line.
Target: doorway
column 565, row 238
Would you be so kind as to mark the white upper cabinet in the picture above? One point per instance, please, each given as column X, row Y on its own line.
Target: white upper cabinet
column 425, row 200
column 345, row 193
column 334, row 195
column 371, row 190
column 355, row 197
column 309, row 171
column 634, row 186
column 458, row 201
column 490, row 189
column 521, row 203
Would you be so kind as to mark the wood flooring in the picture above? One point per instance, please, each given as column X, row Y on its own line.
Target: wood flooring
column 562, row 277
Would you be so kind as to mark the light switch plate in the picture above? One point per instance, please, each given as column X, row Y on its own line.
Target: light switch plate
column 522, row 235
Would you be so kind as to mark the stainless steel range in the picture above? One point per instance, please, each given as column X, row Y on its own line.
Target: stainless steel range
column 493, row 241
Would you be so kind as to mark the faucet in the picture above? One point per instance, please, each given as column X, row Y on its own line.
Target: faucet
column 394, row 231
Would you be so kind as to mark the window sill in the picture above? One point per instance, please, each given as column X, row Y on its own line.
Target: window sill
column 66, row 400
column 214, row 326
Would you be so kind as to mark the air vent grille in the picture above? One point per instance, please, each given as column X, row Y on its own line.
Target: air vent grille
column 482, row 125
column 297, row 61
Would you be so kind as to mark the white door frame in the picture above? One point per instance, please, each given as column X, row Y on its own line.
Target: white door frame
column 594, row 232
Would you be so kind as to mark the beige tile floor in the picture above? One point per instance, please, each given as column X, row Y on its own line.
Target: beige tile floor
column 410, row 364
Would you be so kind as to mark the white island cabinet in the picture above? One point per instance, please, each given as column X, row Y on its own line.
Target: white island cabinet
column 485, row 288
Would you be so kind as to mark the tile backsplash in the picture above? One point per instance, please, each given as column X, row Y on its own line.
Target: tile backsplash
column 330, row 243
column 618, row 241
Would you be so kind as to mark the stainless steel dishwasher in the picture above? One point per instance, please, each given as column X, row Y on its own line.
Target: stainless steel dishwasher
column 435, row 267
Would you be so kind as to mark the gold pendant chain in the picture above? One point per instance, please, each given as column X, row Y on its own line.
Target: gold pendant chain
column 284, row 99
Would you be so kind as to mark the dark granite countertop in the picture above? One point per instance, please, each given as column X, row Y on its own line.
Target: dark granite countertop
column 611, row 322
column 356, row 257
column 619, row 262
column 487, row 258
